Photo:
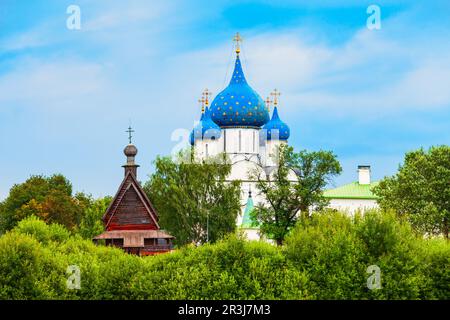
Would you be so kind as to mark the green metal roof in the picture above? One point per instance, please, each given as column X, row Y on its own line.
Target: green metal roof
column 352, row 190
column 246, row 219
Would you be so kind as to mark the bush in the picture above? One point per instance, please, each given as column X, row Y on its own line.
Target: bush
column 327, row 249
column 230, row 269
column 42, row 232
column 325, row 257
column 29, row 271
column 436, row 265
column 335, row 250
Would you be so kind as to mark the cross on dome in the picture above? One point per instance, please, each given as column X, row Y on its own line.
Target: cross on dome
column 202, row 102
column 275, row 93
column 238, row 105
column 237, row 38
column 129, row 131
column 268, row 103
column 206, row 93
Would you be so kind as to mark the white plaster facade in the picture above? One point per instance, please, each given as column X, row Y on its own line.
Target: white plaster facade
column 352, row 205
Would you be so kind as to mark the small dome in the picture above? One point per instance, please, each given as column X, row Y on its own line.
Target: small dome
column 206, row 129
column 130, row 150
column 238, row 105
column 277, row 127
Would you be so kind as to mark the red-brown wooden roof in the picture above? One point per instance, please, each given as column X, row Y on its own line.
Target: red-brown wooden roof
column 130, row 209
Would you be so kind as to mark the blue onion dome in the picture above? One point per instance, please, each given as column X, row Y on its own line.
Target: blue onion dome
column 238, row 105
column 276, row 124
column 210, row 129
column 195, row 133
column 205, row 129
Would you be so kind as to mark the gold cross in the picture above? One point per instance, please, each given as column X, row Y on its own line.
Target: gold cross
column 202, row 101
column 268, row 102
column 275, row 95
column 206, row 93
column 237, row 38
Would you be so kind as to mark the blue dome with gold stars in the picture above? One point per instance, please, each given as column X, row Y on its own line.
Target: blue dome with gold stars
column 238, row 105
column 205, row 129
column 277, row 127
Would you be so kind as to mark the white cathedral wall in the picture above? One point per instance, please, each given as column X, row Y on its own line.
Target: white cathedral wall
column 241, row 140
column 271, row 151
column 352, row 205
column 206, row 148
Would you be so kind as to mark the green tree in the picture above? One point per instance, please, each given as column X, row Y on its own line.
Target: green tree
column 49, row 198
column 194, row 201
column 421, row 190
column 91, row 224
column 294, row 185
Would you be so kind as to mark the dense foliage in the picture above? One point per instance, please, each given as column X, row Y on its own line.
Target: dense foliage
column 49, row 198
column 194, row 201
column 291, row 189
column 91, row 223
column 336, row 251
column 420, row 190
column 325, row 257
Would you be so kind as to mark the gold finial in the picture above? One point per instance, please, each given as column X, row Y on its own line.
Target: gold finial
column 275, row 95
column 237, row 38
column 268, row 102
column 206, row 93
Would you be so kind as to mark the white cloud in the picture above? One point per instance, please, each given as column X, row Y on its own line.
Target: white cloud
column 44, row 84
column 26, row 40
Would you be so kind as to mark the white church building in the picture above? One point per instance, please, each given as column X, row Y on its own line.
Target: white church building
column 238, row 123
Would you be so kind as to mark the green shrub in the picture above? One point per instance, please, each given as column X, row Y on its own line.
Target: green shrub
column 230, row 269
column 436, row 266
column 327, row 249
column 325, row 257
column 335, row 250
column 29, row 270
column 41, row 231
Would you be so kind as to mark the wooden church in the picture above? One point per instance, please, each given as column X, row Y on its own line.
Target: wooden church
column 131, row 221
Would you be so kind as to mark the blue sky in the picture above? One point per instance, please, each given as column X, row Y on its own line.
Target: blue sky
column 67, row 96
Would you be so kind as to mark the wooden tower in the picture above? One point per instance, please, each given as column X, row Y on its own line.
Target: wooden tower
column 131, row 221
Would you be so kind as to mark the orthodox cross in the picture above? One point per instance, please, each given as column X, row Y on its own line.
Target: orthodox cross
column 275, row 95
column 206, row 93
column 237, row 38
column 268, row 102
column 129, row 133
column 202, row 101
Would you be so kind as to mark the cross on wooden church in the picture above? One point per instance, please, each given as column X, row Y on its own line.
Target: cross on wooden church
column 129, row 131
